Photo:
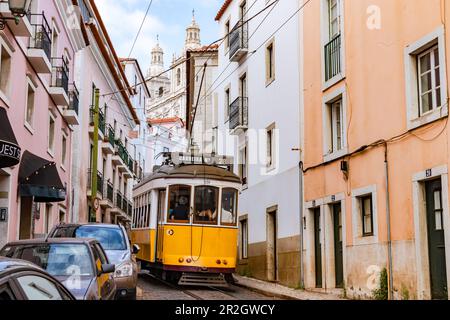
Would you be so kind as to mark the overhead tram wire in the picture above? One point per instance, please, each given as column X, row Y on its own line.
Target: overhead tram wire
column 187, row 59
column 140, row 28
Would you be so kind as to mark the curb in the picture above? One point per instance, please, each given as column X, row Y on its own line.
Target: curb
column 264, row 292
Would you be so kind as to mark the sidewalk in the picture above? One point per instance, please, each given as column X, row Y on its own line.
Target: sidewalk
column 277, row 290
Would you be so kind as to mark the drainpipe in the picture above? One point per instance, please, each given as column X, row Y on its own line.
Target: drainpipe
column 302, row 271
column 388, row 222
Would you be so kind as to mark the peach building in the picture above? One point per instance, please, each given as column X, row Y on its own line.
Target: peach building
column 376, row 141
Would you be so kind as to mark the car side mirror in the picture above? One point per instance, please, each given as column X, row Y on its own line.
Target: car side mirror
column 108, row 268
column 136, row 249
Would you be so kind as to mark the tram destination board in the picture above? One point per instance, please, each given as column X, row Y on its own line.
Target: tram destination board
column 209, row 159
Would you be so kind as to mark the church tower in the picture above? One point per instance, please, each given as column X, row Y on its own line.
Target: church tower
column 157, row 64
column 192, row 34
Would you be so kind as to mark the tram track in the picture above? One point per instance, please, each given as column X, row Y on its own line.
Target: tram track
column 195, row 294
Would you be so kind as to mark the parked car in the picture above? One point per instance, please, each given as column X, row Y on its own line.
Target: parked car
column 115, row 241
column 22, row 280
column 81, row 265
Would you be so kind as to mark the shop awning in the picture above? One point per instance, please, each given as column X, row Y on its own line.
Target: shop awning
column 9, row 149
column 39, row 178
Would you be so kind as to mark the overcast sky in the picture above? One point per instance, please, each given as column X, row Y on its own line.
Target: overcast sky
column 168, row 18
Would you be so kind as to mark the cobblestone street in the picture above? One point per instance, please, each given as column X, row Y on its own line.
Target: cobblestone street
column 150, row 288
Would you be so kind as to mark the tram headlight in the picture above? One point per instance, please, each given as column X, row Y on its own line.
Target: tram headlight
column 225, row 262
column 218, row 261
column 181, row 260
column 124, row 270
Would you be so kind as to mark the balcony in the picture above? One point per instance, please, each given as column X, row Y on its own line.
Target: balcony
column 119, row 200
column 59, row 87
column 239, row 41
column 123, row 160
column 109, row 140
column 108, row 197
column 22, row 28
column 100, row 185
column 238, row 115
column 39, row 48
column 71, row 112
column 333, row 58
column 101, row 123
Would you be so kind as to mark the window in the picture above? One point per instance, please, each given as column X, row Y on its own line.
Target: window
column 429, row 80
column 39, row 288
column 227, row 34
column 270, row 63
column 243, row 169
column 425, row 76
column 178, row 77
column 206, row 205
column 229, row 206
column 270, row 141
column 244, row 239
column 243, row 86
column 48, row 218
column 160, row 91
column 333, row 16
column 64, row 150
column 62, row 216
column 54, row 48
column 227, row 103
column 179, row 199
column 51, row 134
column 243, row 10
column 29, row 115
column 337, row 130
column 366, row 215
column 5, row 68
column 334, row 122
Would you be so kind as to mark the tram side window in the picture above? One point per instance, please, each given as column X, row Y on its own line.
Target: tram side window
column 179, row 199
column 229, row 206
column 206, row 205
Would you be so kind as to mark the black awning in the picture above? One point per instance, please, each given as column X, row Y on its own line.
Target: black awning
column 9, row 149
column 39, row 178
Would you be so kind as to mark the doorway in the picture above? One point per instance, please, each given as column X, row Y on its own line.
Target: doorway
column 436, row 239
column 26, row 205
column 338, row 247
column 272, row 236
column 317, row 248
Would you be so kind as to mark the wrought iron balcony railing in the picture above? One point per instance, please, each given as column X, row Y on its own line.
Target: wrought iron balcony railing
column 74, row 98
column 41, row 38
column 119, row 199
column 60, row 73
column 110, row 135
column 239, row 113
column 333, row 58
column 238, row 40
column 101, row 119
column 100, row 185
column 110, row 191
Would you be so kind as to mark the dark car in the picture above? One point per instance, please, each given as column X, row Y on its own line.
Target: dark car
column 22, row 280
column 114, row 240
column 80, row 265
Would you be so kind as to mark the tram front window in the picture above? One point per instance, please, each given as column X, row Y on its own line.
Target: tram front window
column 206, row 205
column 179, row 204
column 229, row 206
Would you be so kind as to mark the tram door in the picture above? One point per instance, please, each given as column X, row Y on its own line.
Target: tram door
column 160, row 226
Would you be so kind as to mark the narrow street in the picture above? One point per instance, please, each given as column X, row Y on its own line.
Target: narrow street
column 151, row 288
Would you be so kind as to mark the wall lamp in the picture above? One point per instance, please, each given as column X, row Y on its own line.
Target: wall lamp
column 18, row 8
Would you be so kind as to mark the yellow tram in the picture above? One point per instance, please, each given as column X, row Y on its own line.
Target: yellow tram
column 185, row 221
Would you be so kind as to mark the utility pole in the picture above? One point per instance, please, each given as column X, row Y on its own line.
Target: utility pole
column 94, row 164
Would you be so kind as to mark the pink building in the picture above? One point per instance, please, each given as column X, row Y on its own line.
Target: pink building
column 39, row 97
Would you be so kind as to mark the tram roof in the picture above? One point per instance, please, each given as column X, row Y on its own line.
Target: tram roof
column 195, row 171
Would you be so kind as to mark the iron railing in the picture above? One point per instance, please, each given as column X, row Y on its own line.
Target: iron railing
column 333, row 58
column 119, row 198
column 74, row 98
column 101, row 119
column 110, row 135
column 110, row 191
column 238, row 37
column 239, row 113
column 100, row 184
column 60, row 73
column 42, row 32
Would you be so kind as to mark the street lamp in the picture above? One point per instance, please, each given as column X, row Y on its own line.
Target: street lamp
column 19, row 8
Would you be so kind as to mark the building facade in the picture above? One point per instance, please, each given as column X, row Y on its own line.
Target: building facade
column 375, row 155
column 258, row 121
column 38, row 95
column 108, row 158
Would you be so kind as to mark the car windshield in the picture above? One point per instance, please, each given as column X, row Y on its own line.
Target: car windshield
column 109, row 238
column 58, row 259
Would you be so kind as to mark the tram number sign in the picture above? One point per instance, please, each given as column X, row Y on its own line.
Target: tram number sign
column 429, row 173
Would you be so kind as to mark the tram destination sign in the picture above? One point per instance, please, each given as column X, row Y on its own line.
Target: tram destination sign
column 209, row 159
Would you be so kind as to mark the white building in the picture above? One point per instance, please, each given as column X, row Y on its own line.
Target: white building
column 258, row 120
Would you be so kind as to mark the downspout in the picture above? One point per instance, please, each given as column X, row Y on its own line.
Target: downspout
column 302, row 271
column 388, row 223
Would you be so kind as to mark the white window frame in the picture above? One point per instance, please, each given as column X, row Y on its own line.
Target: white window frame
column 244, row 244
column 411, row 52
column 240, row 158
column 434, row 87
column 358, row 238
column 64, row 157
column 325, row 38
column 51, row 149
column 30, row 84
column 270, row 62
column 271, row 155
column 338, row 94
column 5, row 45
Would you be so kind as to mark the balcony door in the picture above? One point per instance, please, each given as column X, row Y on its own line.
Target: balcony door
column 243, row 86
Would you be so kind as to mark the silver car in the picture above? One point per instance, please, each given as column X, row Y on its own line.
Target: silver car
column 114, row 240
